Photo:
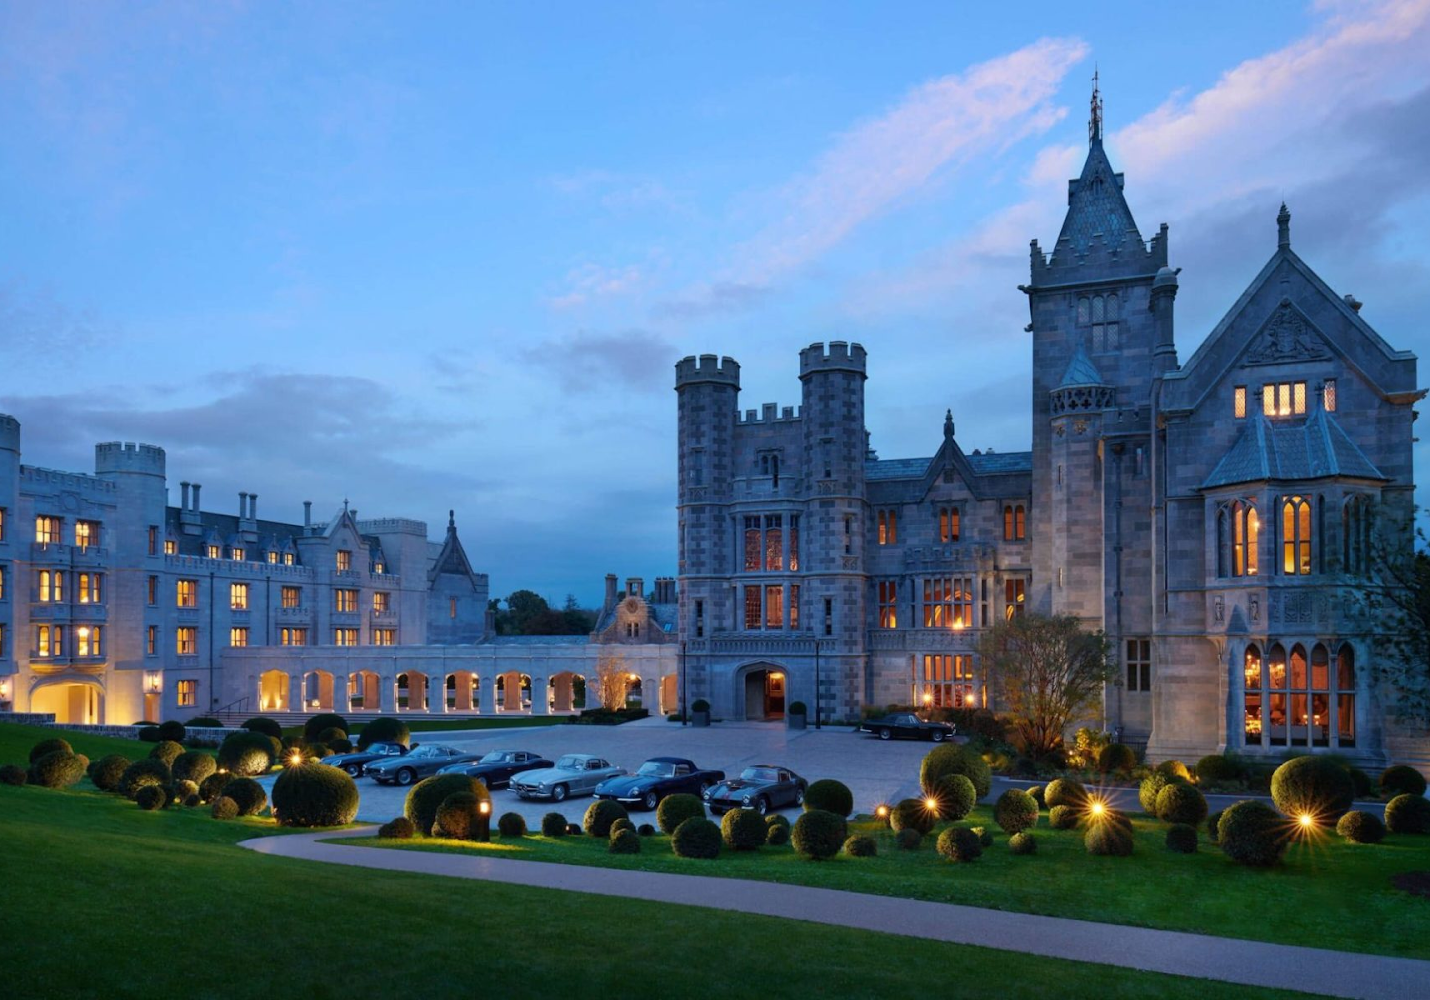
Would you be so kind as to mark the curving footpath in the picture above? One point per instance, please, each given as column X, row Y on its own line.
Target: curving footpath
column 1251, row 963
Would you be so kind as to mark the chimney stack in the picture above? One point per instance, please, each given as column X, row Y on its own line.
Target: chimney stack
column 197, row 487
column 307, row 513
column 184, row 503
column 610, row 592
column 635, row 587
column 242, row 505
column 253, row 506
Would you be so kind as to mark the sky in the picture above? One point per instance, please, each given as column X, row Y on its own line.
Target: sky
column 432, row 256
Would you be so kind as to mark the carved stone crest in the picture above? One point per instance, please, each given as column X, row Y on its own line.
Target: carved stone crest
column 1254, row 608
column 1287, row 336
column 1219, row 608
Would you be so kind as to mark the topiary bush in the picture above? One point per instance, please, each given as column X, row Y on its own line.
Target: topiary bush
column 818, row 835
column 955, row 797
column 246, row 753
column 1401, row 779
column 247, row 794
column 1360, row 782
column 1015, row 811
column 205, row 722
column 183, row 788
column 12, row 774
column 744, row 829
column 1252, row 833
column 313, row 728
column 424, row 797
column 625, row 841
column 107, row 772
column 646, row 830
column 193, row 765
column 212, row 786
column 332, row 735
column 341, row 746
column 148, row 734
column 950, row 758
column 1109, row 834
column 512, row 825
column 151, row 797
column 49, row 746
column 601, row 814
column 1065, row 792
column 829, row 795
column 314, row 795
column 1063, row 817
column 1174, row 769
column 1022, row 843
column 1361, row 828
column 58, row 769
column 397, row 828
column 696, row 837
column 457, row 816
column 959, row 844
column 861, row 846
column 553, row 825
column 573, row 829
column 173, row 731
column 267, row 727
column 384, row 729
column 1408, row 814
column 224, row 808
column 168, row 751
column 193, row 800
column 315, row 751
column 676, row 809
column 912, row 814
column 1116, row 758
column 985, row 837
column 1218, row 769
column 146, row 771
column 1182, row 838
column 1037, row 793
column 1181, row 803
column 1312, row 785
column 776, row 831
column 621, row 824
column 1151, row 787
column 1212, row 821
column 908, row 839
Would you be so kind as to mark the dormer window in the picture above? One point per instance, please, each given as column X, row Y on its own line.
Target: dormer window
column 236, row 554
column 1283, row 399
column 214, row 551
column 273, row 558
column 345, row 560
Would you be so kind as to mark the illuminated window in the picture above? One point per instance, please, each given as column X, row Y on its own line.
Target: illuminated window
column 1139, row 665
column 947, row 681
column 1328, row 395
column 752, row 544
column 774, row 542
column 1283, row 399
column 272, row 558
column 345, row 560
column 888, row 521
column 794, row 606
column 452, row 608
column 153, row 540
column 345, row 600
column 89, row 589
column 293, row 636
column 384, row 637
column 287, row 559
column 51, row 586
column 238, row 637
column 1238, row 406
column 379, row 567
column 47, row 530
column 89, row 640
column 171, row 547
column 151, row 640
column 888, row 604
column 1295, row 536
column 187, row 594
column 1015, row 525
column 291, row 597
column 938, row 602
column 187, row 693
column 238, row 596
column 794, row 543
column 1012, row 598
column 345, row 637
column 86, row 533
column 236, row 554
column 752, row 608
column 186, row 641
column 153, row 590
column 213, row 551
column 49, row 641
column 1238, row 539
column 948, row 524
column 774, row 606
column 381, row 602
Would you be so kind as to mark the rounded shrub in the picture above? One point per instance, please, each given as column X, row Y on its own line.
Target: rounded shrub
column 776, row 830
column 107, row 772
column 912, row 814
column 908, row 839
column 1361, row 828
column 743, row 829
column 601, row 814
column 1022, row 843
column 1218, row 769
column 265, row 726
column 573, row 829
column 959, row 844
column 397, row 828
column 184, row 789
column 1360, row 782
column 246, row 753
column 955, row 796
column 247, row 794
column 1312, row 785
column 457, row 816
column 553, row 825
column 341, row 746
column 512, row 825
column 1015, row 811
column 324, row 720
column 1212, row 822
column 168, row 751
column 193, row 765
column 58, row 769
column 212, row 786
column 676, row 809
column 424, row 797
column 1037, row 792
column 193, row 800
column 1151, row 787
column 205, row 722
column 818, row 835
column 1408, row 814
column 332, row 735
column 1252, row 833
column 1402, row 779
column 985, row 836
column 696, row 837
column 1174, row 769
column 12, row 774
column 700, row 705
column 1063, row 817
column 829, row 795
column 384, row 729
column 49, row 746
column 314, row 795
column 151, row 797
column 148, row 734
column 646, row 830
column 1109, row 834
column 1116, row 758
column 173, row 730
column 950, row 758
column 621, row 824
column 1065, row 792
column 1181, row 803
column 224, row 808
column 1182, row 838
column 146, row 771
column 861, row 846
column 315, row 751
column 625, row 841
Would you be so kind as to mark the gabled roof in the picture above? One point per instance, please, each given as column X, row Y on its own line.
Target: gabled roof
column 452, row 558
column 1317, row 448
column 1081, row 372
column 1096, row 206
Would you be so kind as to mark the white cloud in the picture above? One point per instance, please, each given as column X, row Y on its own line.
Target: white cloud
column 594, row 281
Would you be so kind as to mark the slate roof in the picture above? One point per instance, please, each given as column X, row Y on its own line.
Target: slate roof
column 896, row 468
column 1314, row 449
column 1081, row 372
column 983, row 464
column 276, row 534
column 997, row 463
column 1096, row 206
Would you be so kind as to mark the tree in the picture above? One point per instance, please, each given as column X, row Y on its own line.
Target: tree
column 612, row 679
column 1047, row 672
column 1395, row 597
column 522, row 607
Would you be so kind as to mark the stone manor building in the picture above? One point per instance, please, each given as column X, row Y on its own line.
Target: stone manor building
column 1213, row 515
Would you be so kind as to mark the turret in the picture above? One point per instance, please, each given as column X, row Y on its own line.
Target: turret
column 833, row 411
column 1164, row 294
column 709, row 391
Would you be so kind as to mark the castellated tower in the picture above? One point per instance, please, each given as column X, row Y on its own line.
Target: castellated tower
column 9, row 538
column 137, row 472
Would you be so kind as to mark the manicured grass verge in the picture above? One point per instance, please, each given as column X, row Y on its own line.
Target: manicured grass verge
column 114, row 898
column 1326, row 894
column 16, row 741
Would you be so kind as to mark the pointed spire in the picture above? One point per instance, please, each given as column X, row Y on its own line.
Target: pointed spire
column 1283, row 228
column 452, row 519
column 948, row 425
column 1094, row 121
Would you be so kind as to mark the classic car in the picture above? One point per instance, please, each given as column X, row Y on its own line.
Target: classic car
column 573, row 774
column 762, row 788
column 353, row 762
column 496, row 768
column 421, row 762
column 657, row 778
column 907, row 725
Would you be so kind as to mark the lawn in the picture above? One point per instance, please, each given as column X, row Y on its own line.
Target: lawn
column 16, row 741
column 122, row 903
column 1326, row 894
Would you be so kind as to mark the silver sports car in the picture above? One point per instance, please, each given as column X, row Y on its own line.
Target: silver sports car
column 574, row 774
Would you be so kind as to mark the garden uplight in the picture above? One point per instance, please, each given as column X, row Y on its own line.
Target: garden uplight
column 485, row 808
column 931, row 804
column 1307, row 820
column 295, row 758
column 1098, row 808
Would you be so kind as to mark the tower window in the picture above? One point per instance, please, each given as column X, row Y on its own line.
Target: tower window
column 888, row 521
column 1328, row 395
column 1100, row 314
column 888, row 604
column 1139, row 665
column 1283, row 399
column 1295, row 536
column 1014, row 522
column 1238, row 405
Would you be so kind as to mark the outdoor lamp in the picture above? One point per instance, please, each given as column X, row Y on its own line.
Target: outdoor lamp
column 484, row 822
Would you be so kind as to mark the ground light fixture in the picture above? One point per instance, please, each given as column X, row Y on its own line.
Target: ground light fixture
column 1306, row 820
column 484, row 822
column 931, row 804
column 295, row 758
column 1097, row 808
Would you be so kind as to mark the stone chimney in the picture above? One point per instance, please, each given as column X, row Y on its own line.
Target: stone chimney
column 307, row 513
column 635, row 586
column 610, row 592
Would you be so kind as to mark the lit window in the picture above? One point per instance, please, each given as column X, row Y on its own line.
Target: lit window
column 238, row 596
column 794, row 606
column 774, row 542
column 381, row 601
column 273, row 558
column 774, row 606
column 1328, row 395
column 1239, row 402
column 187, row 693
column 452, row 608
column 1282, row 399
column 752, row 608
column 888, row 604
column 1238, row 541
column 947, row 682
column 948, row 524
column 888, row 527
column 89, row 640
column 151, row 640
column 52, row 586
column 171, row 547
column 345, row 560
column 345, row 600
column 153, row 540
column 186, row 641
column 1015, row 522
column 1295, row 536
column 384, row 637
column 293, row 636
column 287, row 559
column 291, row 597
column 47, row 530
column 153, row 590
column 1012, row 598
column 89, row 588
column 187, row 594
column 345, row 637
column 238, row 637
column 236, row 554
column 86, row 533
column 794, row 543
column 379, row 567
column 213, row 551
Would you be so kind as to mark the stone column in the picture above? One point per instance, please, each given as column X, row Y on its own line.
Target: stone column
column 346, row 698
column 540, row 696
column 562, row 684
column 295, row 694
column 388, row 685
column 511, row 699
column 486, row 695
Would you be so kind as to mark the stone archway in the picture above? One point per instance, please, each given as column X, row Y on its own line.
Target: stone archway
column 364, row 691
column 318, row 691
column 462, row 691
column 760, row 691
column 569, row 692
column 513, row 691
column 412, row 691
column 273, row 691
column 69, row 701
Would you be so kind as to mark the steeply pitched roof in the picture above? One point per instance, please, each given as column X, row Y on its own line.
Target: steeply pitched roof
column 1096, row 206
column 1317, row 448
column 990, row 463
column 1081, row 372
column 895, row 468
column 452, row 558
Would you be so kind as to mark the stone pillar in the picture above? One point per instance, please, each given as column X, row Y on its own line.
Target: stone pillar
column 346, row 698
column 511, row 699
column 540, row 695
column 562, row 685
column 441, row 705
column 295, row 694
column 388, row 685
column 486, row 695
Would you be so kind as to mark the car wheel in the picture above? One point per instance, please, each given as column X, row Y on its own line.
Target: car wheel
column 705, row 786
column 406, row 776
column 799, row 796
column 558, row 794
column 886, row 734
column 937, row 735
column 651, row 800
column 762, row 805
column 354, row 769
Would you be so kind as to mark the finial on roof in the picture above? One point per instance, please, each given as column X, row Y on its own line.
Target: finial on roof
column 1094, row 121
column 345, row 505
column 451, row 518
column 947, row 425
column 1283, row 227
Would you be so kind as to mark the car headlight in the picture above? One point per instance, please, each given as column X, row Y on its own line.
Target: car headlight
column 542, row 786
column 706, row 795
column 746, row 800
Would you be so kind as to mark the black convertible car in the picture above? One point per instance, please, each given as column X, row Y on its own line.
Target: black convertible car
column 907, row 725
column 657, row 778
column 762, row 788
column 495, row 769
column 353, row 762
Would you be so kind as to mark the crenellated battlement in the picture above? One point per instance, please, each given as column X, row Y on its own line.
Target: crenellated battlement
column 707, row 368
column 1107, row 256
column 126, row 456
column 770, row 413
column 838, row 357
column 9, row 433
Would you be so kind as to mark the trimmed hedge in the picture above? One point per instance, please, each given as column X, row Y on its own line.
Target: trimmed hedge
column 1312, row 785
column 1063, row 817
column 1015, row 811
column 173, row 730
column 324, row 720
column 1408, row 814
column 427, row 795
column 1218, row 768
column 1151, row 787
column 12, row 774
column 959, row 844
column 456, row 817
column 819, row 835
column 59, row 769
column 776, row 830
column 146, row 771
column 861, row 846
column 205, row 722
column 1252, row 833
column 1065, row 792
column 168, row 751
column 49, row 746
column 267, row 727
column 912, row 814
column 1182, row 838
column 314, row 795
column 148, row 734
column 908, row 839
column 511, row 825
column 212, row 786
column 1361, row 782
column 1174, row 769
column 341, row 746
column 984, row 836
column 625, row 841
column 950, row 758
column 1402, row 779
column 193, row 765
column 1109, row 834
column 1212, row 822
column 332, row 735
column 384, row 729
column 151, row 797
column 696, row 837
column 1361, row 828
column 247, row 753
column 744, row 829
column 646, row 830
column 247, row 794
column 676, row 809
column 107, row 772
column 573, row 829
column 1037, row 793
column 553, row 825
column 224, row 808
column 955, row 796
column 397, row 828
column 1181, row 803
column 621, row 824
column 829, row 795
column 1116, row 757
column 1022, row 843
column 600, row 815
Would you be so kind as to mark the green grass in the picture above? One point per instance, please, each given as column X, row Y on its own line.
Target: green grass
column 16, row 741
column 105, row 900
column 1326, row 894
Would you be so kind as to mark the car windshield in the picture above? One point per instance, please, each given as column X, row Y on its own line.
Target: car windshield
column 496, row 757
column 571, row 763
column 425, row 752
column 759, row 774
column 657, row 769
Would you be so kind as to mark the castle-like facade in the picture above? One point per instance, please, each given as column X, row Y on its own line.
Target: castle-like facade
column 1214, row 517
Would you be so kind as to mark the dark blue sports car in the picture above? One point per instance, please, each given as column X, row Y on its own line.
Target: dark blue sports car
column 657, row 778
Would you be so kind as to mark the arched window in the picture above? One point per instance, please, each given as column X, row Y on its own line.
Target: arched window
column 1346, row 696
column 1223, row 542
column 1355, row 535
column 1238, row 541
column 1295, row 536
column 1276, row 696
column 1253, row 701
column 1300, row 717
column 1320, row 696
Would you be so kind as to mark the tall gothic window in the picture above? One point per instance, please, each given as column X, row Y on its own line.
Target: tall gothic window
column 1355, row 535
column 1014, row 522
column 752, row 544
column 1238, row 539
column 1295, row 536
column 1100, row 314
column 774, row 542
column 947, row 681
column 948, row 524
column 1283, row 399
column 888, row 604
column 888, row 521
column 1298, row 700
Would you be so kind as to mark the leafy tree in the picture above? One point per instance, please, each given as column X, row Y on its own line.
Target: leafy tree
column 1396, row 597
column 523, row 606
column 1047, row 672
column 612, row 678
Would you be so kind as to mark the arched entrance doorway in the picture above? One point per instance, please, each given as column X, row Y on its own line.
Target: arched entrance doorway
column 568, row 692
column 273, row 691
column 412, row 691
column 318, row 691
column 76, row 703
column 763, row 688
column 364, row 691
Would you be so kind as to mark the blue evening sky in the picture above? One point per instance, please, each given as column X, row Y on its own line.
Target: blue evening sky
column 430, row 256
